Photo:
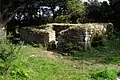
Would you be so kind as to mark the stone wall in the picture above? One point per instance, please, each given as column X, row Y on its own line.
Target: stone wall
column 57, row 27
column 96, row 29
column 61, row 34
column 74, row 38
column 44, row 36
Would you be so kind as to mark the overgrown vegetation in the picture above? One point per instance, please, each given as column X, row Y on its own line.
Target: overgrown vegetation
column 8, row 54
column 107, row 73
column 26, row 62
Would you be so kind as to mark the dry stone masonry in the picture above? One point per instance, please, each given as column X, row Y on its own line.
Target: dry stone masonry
column 73, row 38
column 43, row 36
column 66, row 36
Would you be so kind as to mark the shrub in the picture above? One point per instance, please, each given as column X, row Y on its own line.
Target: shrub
column 98, row 41
column 8, row 53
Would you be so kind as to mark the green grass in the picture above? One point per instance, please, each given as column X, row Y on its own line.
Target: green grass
column 38, row 64
column 109, row 54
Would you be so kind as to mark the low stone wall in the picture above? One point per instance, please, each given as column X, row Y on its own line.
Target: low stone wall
column 44, row 36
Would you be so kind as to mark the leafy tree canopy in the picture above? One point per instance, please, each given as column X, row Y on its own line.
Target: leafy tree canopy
column 31, row 8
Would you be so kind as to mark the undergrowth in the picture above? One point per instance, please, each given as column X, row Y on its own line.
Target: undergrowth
column 25, row 62
column 109, row 53
column 8, row 54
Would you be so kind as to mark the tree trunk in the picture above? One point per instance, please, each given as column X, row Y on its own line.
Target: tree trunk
column 53, row 11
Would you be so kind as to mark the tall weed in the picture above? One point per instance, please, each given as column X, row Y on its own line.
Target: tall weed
column 8, row 53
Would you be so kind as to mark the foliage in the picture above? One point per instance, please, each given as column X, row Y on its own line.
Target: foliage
column 99, row 41
column 93, row 7
column 102, row 9
column 37, row 11
column 8, row 53
column 35, row 63
column 61, row 19
column 9, row 8
column 76, row 17
column 75, row 5
column 76, row 10
column 107, row 73
column 17, row 71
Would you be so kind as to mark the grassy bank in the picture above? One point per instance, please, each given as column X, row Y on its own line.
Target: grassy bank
column 38, row 64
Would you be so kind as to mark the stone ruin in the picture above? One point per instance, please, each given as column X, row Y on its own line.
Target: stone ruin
column 65, row 36
column 74, row 38
column 30, row 34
